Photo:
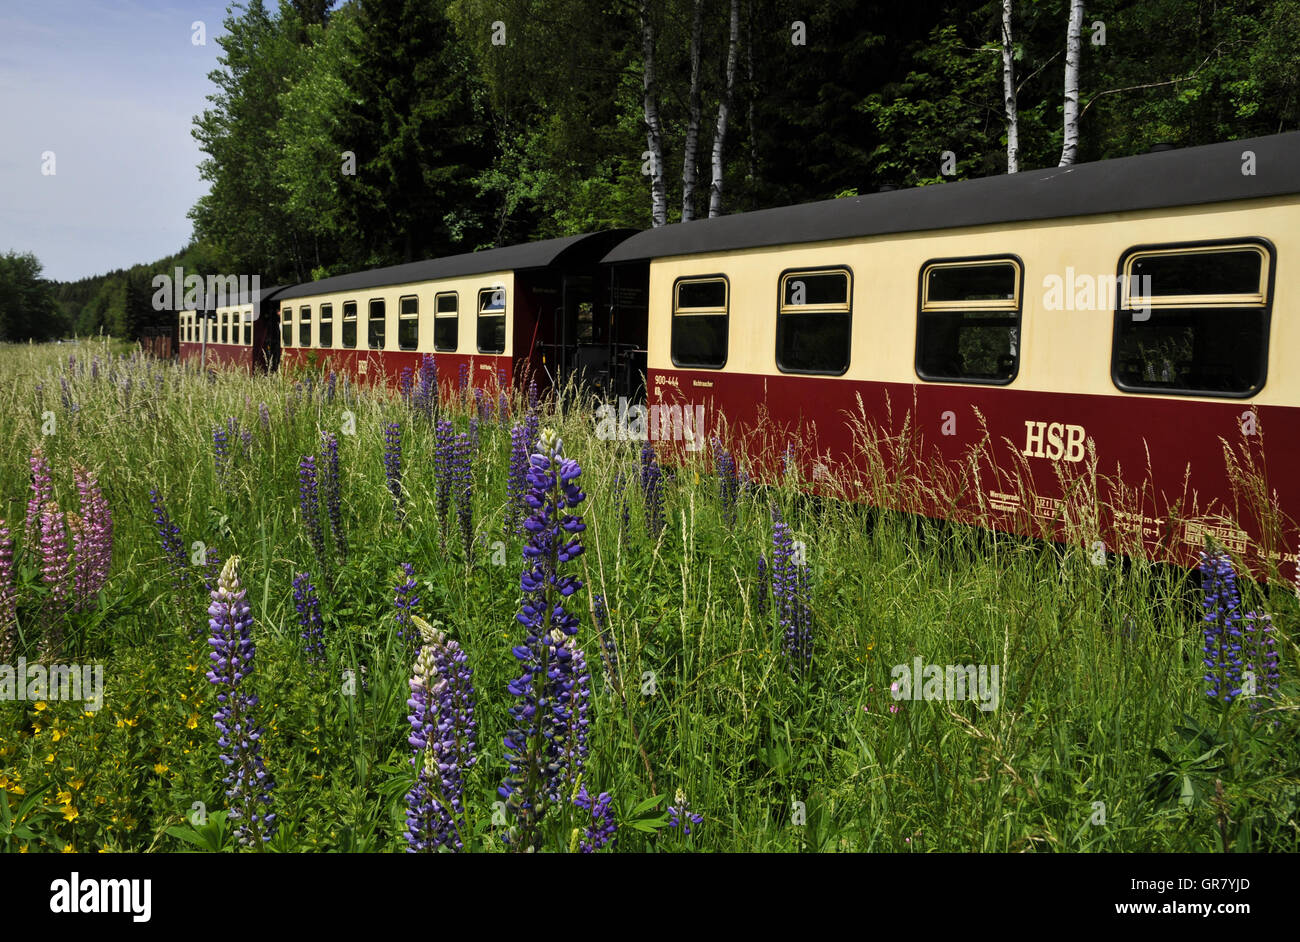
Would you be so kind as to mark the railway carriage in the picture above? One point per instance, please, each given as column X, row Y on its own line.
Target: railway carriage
column 1127, row 321
column 235, row 335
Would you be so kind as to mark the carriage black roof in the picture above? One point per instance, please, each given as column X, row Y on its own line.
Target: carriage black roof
column 509, row 258
column 1181, row 177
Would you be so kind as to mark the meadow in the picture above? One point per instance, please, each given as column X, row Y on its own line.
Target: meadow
column 684, row 696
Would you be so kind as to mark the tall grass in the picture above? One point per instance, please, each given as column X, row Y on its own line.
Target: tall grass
column 1103, row 738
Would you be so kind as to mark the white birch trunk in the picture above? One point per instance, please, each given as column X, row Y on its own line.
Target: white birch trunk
column 1009, row 91
column 689, row 171
column 654, row 132
column 724, row 109
column 1070, row 149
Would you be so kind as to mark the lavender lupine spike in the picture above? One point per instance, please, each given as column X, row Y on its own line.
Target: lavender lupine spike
column 8, row 597
column 652, row 489
column 331, row 484
column 503, row 408
column 405, row 601
column 309, row 620
column 443, row 460
column 221, row 453
column 393, row 465
column 406, row 385
column 728, row 487
column 1222, row 604
column 42, row 493
column 93, row 537
column 248, row 787
column 600, row 832
column 309, row 504
column 426, row 395
column 790, row 593
column 543, row 736
column 55, row 560
column 517, row 481
column 464, row 378
column 443, row 737
column 1260, row 658
column 331, row 385
column 463, row 483
column 680, row 815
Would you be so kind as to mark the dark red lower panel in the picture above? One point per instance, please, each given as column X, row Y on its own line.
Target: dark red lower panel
column 1110, row 470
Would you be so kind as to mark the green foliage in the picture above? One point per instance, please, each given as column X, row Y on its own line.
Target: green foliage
column 27, row 301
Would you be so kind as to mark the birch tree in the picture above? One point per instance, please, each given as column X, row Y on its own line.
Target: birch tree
column 1009, row 91
column 724, row 109
column 1073, row 47
column 693, row 122
column 654, row 131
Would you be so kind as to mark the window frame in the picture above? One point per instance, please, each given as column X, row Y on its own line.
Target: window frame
column 505, row 309
column 370, row 319
column 700, row 312
column 401, row 316
column 304, row 326
column 991, row 307
column 455, row 296
column 343, row 326
column 1268, row 272
column 813, row 309
column 286, row 326
column 326, row 318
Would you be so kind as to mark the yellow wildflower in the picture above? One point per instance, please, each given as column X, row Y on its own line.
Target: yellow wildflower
column 192, row 722
column 71, row 813
column 69, row 849
column 56, row 734
column 64, row 798
column 41, row 705
column 159, row 768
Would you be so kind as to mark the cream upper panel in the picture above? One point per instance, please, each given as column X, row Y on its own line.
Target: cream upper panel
column 467, row 290
column 1061, row 351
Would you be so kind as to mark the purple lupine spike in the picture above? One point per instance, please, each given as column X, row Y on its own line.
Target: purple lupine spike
column 503, row 410
column 248, row 786
column 517, row 481
column 393, row 465
column 728, row 487
column 464, row 378
column 1222, row 605
column 309, row 504
column 443, row 737
column 473, row 434
column 790, row 595
column 443, row 458
column 170, row 536
column 405, row 601
column 8, row 597
column 652, row 490
column 463, row 484
column 479, row 398
column 406, row 385
column 264, row 414
column 680, row 815
column 220, row 453
column 55, row 562
column 600, row 832
column 426, row 395
column 547, row 731
column 42, row 492
column 1260, row 658
column 330, row 385
column 331, row 484
column 308, row 607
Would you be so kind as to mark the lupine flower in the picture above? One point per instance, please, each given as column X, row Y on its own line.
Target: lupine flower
column 546, row 719
column 1222, row 604
column 309, row 504
column 728, row 487
column 404, row 601
column 479, row 396
column 608, row 647
column 517, row 481
column 602, row 828
column 761, row 604
column 426, row 394
column 330, row 483
column 652, row 489
column 790, row 594
column 473, row 433
column 680, row 816
column 248, row 787
column 443, row 458
column 170, row 536
column 406, row 385
column 220, row 452
column 308, row 606
column 42, row 492
column 393, row 465
column 463, row 483
column 533, row 418
column 443, row 731
column 570, row 697
column 330, row 385
column 1260, row 655
column 92, row 538
column 264, row 414
column 503, row 408
column 8, row 596
column 55, row 562
column 234, row 431
column 464, row 377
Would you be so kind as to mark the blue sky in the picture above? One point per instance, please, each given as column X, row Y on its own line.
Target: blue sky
column 111, row 87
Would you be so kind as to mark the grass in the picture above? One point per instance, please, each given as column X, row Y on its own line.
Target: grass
column 1103, row 738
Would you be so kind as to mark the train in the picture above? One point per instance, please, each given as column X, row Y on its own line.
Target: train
column 1102, row 348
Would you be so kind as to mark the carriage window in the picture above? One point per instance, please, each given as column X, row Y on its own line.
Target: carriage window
column 968, row 329
column 286, row 327
column 304, row 326
column 446, row 322
column 326, row 328
column 408, row 324
column 225, row 326
column 1193, row 320
column 813, row 322
column 248, row 328
column 492, row 320
column 700, row 322
column 349, row 324
column 375, row 325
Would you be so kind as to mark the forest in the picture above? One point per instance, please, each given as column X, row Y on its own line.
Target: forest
column 340, row 137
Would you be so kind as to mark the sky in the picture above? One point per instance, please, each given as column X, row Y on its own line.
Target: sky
column 111, row 87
